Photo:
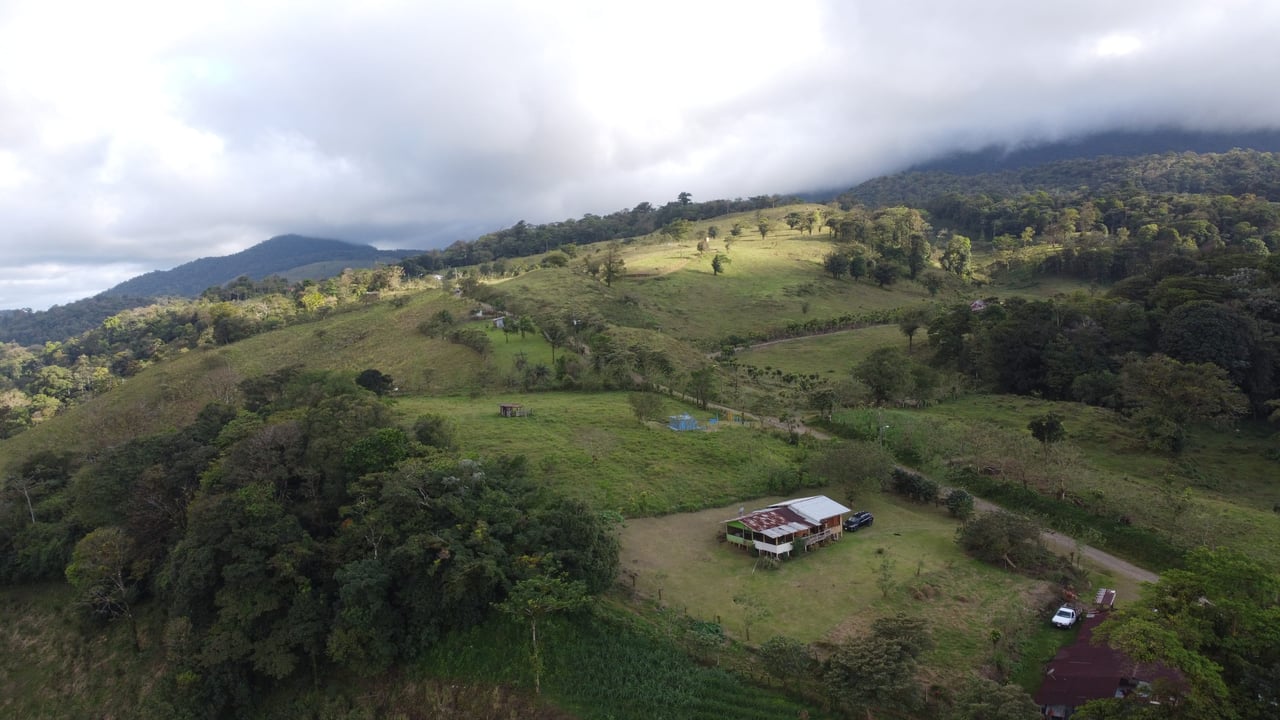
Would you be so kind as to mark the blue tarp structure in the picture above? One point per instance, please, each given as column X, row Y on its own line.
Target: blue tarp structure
column 682, row 422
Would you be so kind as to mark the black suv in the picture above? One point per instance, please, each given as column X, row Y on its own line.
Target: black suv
column 860, row 519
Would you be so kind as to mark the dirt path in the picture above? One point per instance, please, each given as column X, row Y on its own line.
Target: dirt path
column 1062, row 544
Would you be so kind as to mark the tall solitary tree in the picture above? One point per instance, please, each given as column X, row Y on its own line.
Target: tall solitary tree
column 537, row 597
column 556, row 336
column 100, row 572
column 836, row 263
column 613, row 265
column 1047, row 429
column 678, row 229
column 956, row 258
column 702, row 385
column 718, row 262
column 910, row 322
column 763, row 225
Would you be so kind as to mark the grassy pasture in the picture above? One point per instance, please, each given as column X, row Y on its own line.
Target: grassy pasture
column 1219, row 491
column 830, row 356
column 54, row 664
column 591, row 446
column 380, row 335
column 670, row 286
column 832, row 593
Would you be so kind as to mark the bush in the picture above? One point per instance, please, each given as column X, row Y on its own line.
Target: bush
column 1013, row 541
column 645, row 406
column 960, row 504
column 375, row 381
column 914, row 486
column 472, row 337
column 434, row 431
column 786, row 480
column 787, row 656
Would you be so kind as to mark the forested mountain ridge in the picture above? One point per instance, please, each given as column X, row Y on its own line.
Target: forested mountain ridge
column 292, row 258
column 1116, row 143
column 27, row 327
column 1238, row 172
column 276, row 256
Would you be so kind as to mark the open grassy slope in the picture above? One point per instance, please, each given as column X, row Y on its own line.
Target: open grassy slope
column 591, row 446
column 670, row 287
column 830, row 356
column 674, row 488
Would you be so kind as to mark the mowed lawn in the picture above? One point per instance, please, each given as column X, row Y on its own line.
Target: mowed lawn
column 832, row 593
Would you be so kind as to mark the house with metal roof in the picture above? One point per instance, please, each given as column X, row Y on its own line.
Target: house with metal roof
column 780, row 529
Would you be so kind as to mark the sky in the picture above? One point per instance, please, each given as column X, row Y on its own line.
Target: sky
column 137, row 135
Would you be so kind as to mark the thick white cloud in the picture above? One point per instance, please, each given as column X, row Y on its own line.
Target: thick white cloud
column 141, row 134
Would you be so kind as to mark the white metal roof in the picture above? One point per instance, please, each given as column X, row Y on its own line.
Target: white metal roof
column 815, row 509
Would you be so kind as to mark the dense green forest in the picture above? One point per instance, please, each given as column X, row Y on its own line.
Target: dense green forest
column 258, row 533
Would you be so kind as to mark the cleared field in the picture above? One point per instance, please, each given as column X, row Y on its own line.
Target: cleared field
column 1219, row 491
column 591, row 446
column 671, row 287
column 833, row 354
column 833, row 592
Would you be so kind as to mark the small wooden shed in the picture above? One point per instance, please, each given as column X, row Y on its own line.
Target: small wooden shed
column 512, row 410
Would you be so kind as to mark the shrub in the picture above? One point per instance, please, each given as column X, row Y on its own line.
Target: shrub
column 914, row 486
column 960, row 504
column 471, row 337
column 645, row 406
column 787, row 656
column 434, row 431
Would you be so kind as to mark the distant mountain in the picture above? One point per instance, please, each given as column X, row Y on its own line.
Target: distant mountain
column 293, row 257
column 1118, row 143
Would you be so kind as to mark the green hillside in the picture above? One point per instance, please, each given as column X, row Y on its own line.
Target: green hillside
column 305, row 502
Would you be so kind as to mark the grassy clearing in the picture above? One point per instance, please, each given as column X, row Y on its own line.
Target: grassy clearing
column 53, row 666
column 670, row 286
column 831, row 593
column 591, row 446
column 382, row 335
column 616, row 667
column 832, row 355
column 1218, row 492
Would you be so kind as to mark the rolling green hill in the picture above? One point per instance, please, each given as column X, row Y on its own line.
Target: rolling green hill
column 317, row 510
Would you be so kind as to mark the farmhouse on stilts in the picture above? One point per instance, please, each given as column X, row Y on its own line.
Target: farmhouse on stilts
column 780, row 529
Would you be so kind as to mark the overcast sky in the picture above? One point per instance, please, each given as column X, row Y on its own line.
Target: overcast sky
column 137, row 136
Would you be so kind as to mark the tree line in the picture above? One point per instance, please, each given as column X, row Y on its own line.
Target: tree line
column 524, row 239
